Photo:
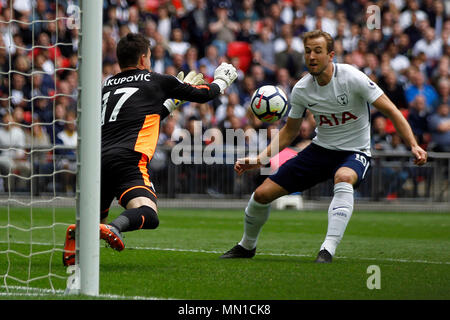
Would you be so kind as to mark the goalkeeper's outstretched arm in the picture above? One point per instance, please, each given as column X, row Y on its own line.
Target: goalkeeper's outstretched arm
column 193, row 88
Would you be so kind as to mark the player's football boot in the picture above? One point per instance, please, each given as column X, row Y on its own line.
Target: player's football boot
column 324, row 257
column 69, row 246
column 112, row 236
column 238, row 251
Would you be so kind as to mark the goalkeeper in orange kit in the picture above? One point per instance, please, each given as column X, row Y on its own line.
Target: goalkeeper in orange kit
column 134, row 102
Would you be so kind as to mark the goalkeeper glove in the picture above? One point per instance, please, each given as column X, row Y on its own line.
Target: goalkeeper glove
column 192, row 78
column 224, row 76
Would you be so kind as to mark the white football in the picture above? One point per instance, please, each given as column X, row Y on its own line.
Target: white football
column 269, row 103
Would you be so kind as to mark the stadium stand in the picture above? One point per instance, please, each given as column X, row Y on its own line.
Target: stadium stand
column 409, row 56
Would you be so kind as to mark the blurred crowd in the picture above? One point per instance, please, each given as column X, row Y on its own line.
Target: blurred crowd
column 406, row 51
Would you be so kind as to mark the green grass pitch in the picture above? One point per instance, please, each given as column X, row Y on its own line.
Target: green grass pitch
column 180, row 260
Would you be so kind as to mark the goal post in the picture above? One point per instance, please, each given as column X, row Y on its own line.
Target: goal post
column 89, row 146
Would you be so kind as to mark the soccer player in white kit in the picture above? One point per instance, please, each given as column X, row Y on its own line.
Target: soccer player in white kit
column 338, row 95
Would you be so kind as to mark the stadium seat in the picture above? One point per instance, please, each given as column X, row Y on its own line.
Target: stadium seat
column 243, row 51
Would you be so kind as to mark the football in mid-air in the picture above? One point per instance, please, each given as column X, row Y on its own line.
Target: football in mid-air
column 269, row 103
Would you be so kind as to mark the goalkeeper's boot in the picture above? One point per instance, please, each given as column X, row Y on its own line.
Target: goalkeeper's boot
column 69, row 246
column 238, row 251
column 112, row 236
column 324, row 257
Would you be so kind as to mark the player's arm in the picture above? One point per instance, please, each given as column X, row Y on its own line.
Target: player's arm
column 284, row 138
column 387, row 107
column 196, row 90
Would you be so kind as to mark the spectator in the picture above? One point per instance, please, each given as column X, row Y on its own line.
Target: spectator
column 418, row 86
column 441, row 71
column 20, row 92
column 395, row 176
column 247, row 32
column 377, row 43
column 133, row 23
column 264, row 52
column 430, row 45
column 305, row 136
column 350, row 40
column 39, row 141
column 393, row 89
column 417, row 118
column 164, row 25
column 257, row 72
column 13, row 158
column 274, row 15
column 177, row 62
column 205, row 114
column 359, row 54
column 437, row 17
column 231, row 100
column 160, row 59
column 290, row 59
column 197, row 21
column 404, row 45
column 397, row 61
column 299, row 25
column 284, row 81
column 380, row 138
column 66, row 156
column 168, row 128
column 413, row 9
column 321, row 21
column 210, row 60
column 222, row 27
column 280, row 43
column 439, row 124
column 443, row 88
column 150, row 32
column 247, row 11
column 191, row 60
column 178, row 45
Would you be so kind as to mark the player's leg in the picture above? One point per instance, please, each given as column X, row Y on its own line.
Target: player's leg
column 303, row 171
column 256, row 214
column 141, row 213
column 135, row 192
column 258, row 210
column 339, row 212
column 351, row 173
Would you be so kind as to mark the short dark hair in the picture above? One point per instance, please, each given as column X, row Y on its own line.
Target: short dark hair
column 317, row 34
column 130, row 48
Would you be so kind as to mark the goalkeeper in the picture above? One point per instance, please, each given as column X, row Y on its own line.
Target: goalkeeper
column 134, row 102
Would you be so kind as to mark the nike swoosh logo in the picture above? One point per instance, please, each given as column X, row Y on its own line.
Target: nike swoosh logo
column 311, row 104
column 340, row 208
column 259, row 102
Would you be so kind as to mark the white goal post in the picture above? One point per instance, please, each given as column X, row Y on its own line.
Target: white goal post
column 89, row 145
column 34, row 207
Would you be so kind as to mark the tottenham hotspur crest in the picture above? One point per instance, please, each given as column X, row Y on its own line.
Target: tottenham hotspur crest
column 342, row 99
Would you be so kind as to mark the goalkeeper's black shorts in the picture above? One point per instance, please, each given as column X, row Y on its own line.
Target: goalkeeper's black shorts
column 124, row 176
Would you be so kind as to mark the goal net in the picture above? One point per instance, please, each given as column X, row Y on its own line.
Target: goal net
column 41, row 100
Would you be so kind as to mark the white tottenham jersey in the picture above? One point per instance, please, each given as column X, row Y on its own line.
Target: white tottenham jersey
column 340, row 108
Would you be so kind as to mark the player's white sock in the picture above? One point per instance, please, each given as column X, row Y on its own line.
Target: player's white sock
column 256, row 214
column 339, row 213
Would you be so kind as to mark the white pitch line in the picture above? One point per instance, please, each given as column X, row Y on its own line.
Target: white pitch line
column 60, row 293
column 294, row 255
column 268, row 254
